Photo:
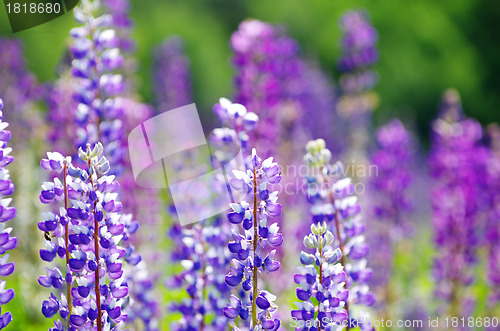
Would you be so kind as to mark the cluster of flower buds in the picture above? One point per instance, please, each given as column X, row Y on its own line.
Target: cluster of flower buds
column 333, row 201
column 86, row 233
column 236, row 122
column 322, row 277
column 250, row 248
column 7, row 241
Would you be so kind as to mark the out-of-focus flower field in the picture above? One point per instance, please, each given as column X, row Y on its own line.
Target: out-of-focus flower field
column 350, row 177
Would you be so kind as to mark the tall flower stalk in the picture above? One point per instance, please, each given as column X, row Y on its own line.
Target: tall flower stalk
column 250, row 247
column 454, row 163
column 104, row 115
column 97, row 60
column 392, row 206
column 333, row 201
column 202, row 248
column 322, row 277
column 492, row 233
column 7, row 241
column 86, row 233
column 357, row 100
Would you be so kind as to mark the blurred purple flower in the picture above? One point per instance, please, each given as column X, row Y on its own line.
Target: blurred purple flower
column 253, row 248
column 455, row 159
column 393, row 159
column 492, row 230
column 20, row 91
column 171, row 75
column 357, row 99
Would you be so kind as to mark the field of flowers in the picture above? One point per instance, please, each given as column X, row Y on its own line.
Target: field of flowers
column 299, row 209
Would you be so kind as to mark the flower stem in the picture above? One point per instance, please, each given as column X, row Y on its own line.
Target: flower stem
column 320, row 278
column 96, row 249
column 255, row 243
column 66, row 238
column 341, row 244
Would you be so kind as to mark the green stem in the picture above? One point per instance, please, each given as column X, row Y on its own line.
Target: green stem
column 255, row 243
column 320, row 277
column 96, row 249
column 66, row 239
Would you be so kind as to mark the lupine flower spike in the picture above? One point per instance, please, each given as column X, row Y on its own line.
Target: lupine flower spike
column 492, row 233
column 97, row 59
column 358, row 78
column 269, row 70
column 172, row 81
column 322, row 277
column 7, row 241
column 86, row 233
column 455, row 163
column 333, row 201
column 392, row 206
column 202, row 249
column 249, row 247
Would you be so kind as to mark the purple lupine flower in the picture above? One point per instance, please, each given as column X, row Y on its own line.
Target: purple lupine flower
column 454, row 161
column 236, row 122
column 268, row 80
column 119, row 11
column 140, row 202
column 61, row 114
column 97, row 60
column 171, row 75
column 253, row 248
column 7, row 241
column 202, row 249
column 322, row 277
column 333, row 201
column 492, row 231
column 19, row 90
column 86, row 233
column 358, row 41
column 100, row 116
column 318, row 101
column 357, row 99
column 393, row 160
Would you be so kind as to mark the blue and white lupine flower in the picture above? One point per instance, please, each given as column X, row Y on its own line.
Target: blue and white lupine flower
column 86, row 232
column 322, row 278
column 253, row 248
column 333, row 201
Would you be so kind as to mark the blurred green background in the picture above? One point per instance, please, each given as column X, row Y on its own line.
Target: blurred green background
column 426, row 46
